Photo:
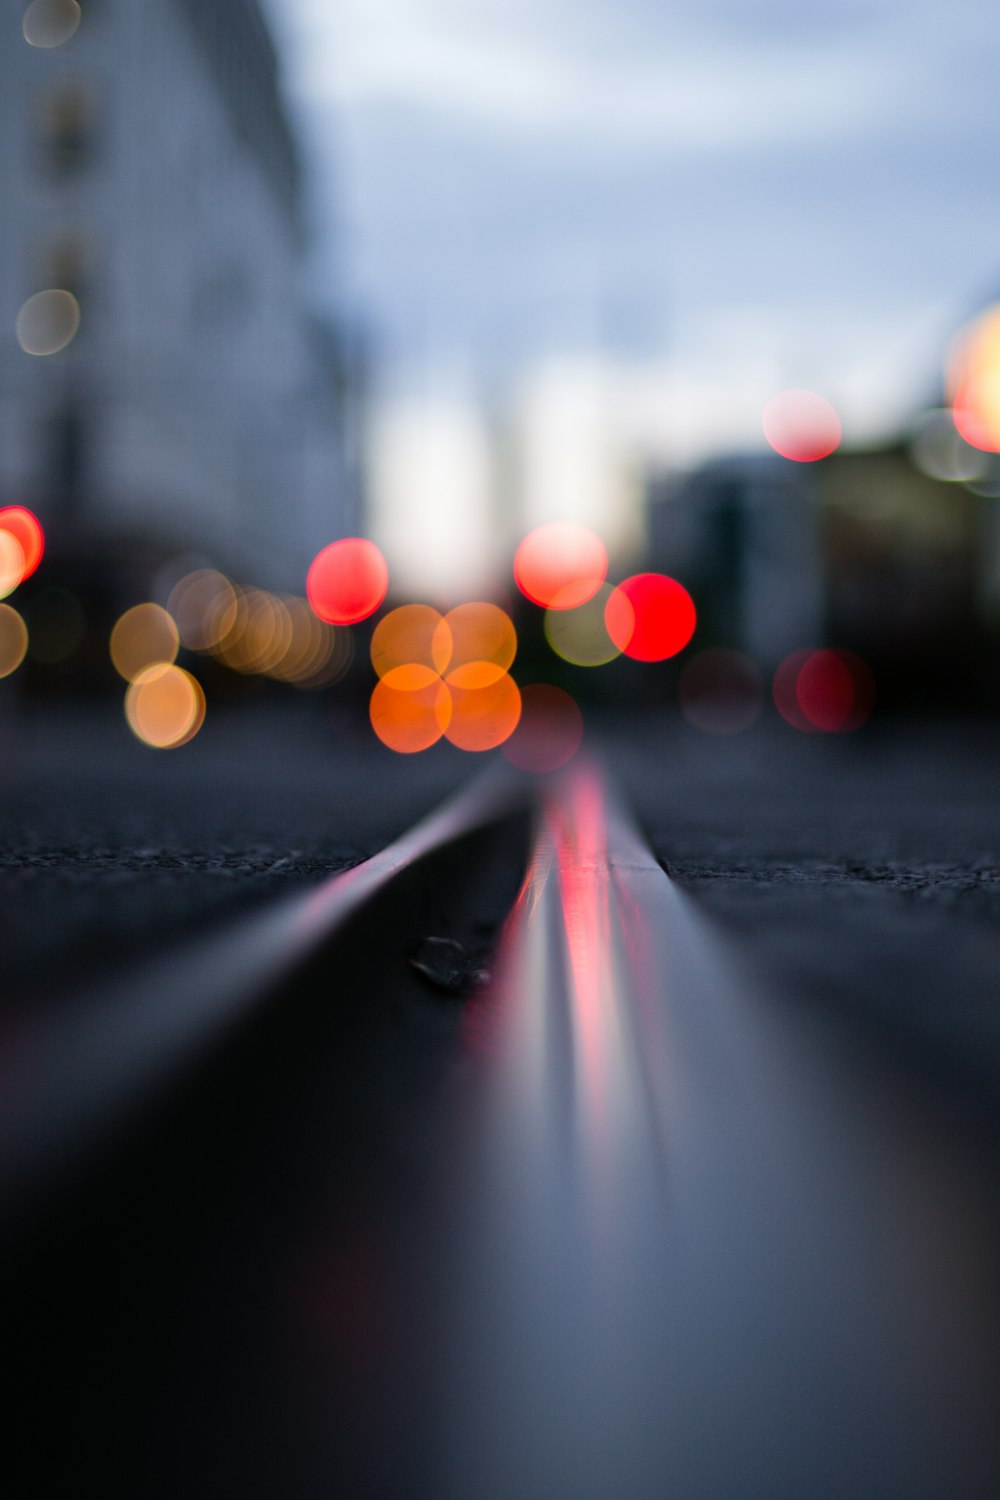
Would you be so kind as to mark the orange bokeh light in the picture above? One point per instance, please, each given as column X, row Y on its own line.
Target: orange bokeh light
column 801, row 425
column 974, row 381
column 26, row 529
column 144, row 636
column 973, row 422
column 165, row 707
column 550, row 730
column 406, row 638
column 411, row 720
column 347, row 581
column 829, row 691
column 444, row 675
column 483, row 717
column 560, row 565
column 13, row 640
column 650, row 616
column 477, row 643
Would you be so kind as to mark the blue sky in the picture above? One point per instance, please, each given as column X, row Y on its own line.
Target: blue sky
column 719, row 183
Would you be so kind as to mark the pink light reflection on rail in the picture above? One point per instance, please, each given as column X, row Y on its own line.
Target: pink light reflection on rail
column 582, row 873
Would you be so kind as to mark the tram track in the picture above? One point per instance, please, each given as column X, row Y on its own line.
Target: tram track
column 83, row 1070
column 320, row 1206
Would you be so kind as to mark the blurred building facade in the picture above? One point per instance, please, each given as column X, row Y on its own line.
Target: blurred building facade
column 743, row 533
column 887, row 551
column 150, row 172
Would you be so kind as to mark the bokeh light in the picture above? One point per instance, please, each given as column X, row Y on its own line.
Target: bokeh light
column 720, row 691
column 650, row 617
column 260, row 634
column 824, row 690
column 11, row 563
column 413, row 720
column 783, row 690
column 50, row 23
column 580, row 636
column 47, row 322
column 974, row 381
column 560, row 565
column 476, row 643
column 165, row 707
column 347, row 581
column 315, row 653
column 801, row 425
column 252, row 631
column 940, row 451
column 483, row 717
column 144, row 636
column 550, row 730
column 13, row 640
column 26, row 529
column 453, row 668
column 203, row 603
column 974, row 421
column 407, row 651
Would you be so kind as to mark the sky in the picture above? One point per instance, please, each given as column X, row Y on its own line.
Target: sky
column 495, row 180
column 731, row 197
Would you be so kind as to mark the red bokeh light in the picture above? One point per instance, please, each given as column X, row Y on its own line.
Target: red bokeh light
column 26, row 529
column 347, row 581
column 560, row 565
column 650, row 616
column 830, row 691
column 801, row 426
column 550, row 731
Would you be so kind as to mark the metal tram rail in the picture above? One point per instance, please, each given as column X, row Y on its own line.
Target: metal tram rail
column 335, row 1203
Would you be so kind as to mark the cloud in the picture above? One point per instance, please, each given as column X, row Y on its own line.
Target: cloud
column 680, row 99
column 676, row 79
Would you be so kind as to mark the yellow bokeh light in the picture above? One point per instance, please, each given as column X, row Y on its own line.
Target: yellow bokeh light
column 229, row 647
column 204, row 605
column 260, row 635
column 580, row 635
column 144, row 636
column 11, row 563
column 332, row 657
column 269, row 631
column 49, row 23
column 165, row 707
column 47, row 322
column 311, row 648
column 13, row 640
